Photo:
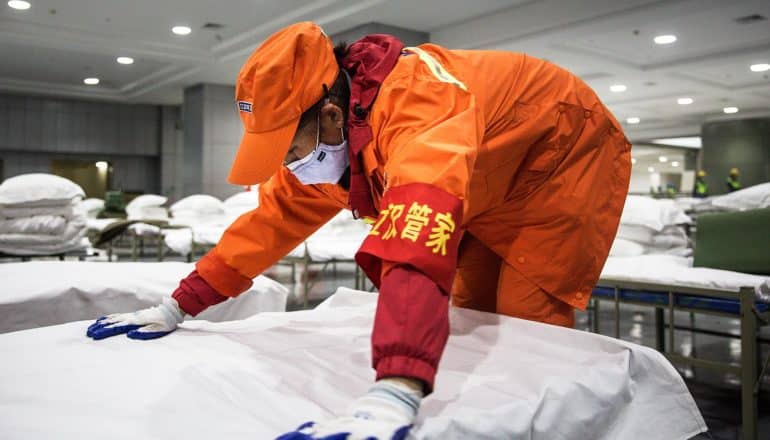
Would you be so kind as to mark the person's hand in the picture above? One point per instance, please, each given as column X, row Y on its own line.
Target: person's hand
column 386, row 412
column 145, row 324
column 348, row 428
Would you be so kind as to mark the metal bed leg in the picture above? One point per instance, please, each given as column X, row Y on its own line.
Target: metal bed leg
column 161, row 247
column 660, row 330
column 671, row 322
column 748, row 365
column 306, row 283
column 133, row 248
column 597, row 305
column 617, row 314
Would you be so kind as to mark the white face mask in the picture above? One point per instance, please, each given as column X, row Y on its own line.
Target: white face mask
column 325, row 164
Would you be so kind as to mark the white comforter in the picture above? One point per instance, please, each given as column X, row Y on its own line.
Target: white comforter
column 40, row 293
column 254, row 379
column 673, row 270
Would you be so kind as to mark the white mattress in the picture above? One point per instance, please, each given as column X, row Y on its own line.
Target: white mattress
column 335, row 241
column 673, row 270
column 40, row 293
column 500, row 377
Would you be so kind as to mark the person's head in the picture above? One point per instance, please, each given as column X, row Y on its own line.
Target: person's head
column 324, row 121
column 701, row 174
column 291, row 95
column 734, row 172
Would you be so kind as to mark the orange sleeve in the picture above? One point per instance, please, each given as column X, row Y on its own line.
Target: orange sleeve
column 432, row 134
column 429, row 133
column 288, row 213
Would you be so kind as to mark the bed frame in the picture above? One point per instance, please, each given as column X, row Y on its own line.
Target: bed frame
column 305, row 262
column 665, row 299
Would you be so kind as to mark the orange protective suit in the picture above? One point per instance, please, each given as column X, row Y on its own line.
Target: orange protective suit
column 526, row 168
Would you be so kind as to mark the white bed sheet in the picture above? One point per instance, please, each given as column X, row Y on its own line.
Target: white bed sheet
column 500, row 378
column 40, row 293
column 674, row 270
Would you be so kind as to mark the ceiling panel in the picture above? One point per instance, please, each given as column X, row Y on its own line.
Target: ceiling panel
column 54, row 66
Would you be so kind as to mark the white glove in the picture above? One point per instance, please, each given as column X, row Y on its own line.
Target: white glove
column 145, row 324
column 386, row 412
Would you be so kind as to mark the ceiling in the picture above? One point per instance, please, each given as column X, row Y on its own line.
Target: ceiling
column 57, row 43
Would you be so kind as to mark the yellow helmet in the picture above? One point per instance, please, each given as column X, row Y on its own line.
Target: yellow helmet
column 734, row 172
column 701, row 173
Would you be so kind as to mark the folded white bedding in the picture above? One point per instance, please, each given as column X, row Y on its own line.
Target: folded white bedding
column 77, row 243
column 66, row 211
column 181, row 240
column 39, row 224
column 254, row 379
column 40, row 293
column 75, row 227
column 148, row 213
column 676, row 270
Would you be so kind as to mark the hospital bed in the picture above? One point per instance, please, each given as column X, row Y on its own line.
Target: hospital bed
column 45, row 293
column 668, row 284
column 499, row 377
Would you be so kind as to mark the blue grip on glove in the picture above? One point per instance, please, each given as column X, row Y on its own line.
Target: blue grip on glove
column 145, row 324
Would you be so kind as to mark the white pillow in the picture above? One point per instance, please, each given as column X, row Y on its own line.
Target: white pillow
column 243, row 199
column 199, row 203
column 753, row 197
column 145, row 200
column 39, row 189
column 655, row 214
column 90, row 207
column 626, row 248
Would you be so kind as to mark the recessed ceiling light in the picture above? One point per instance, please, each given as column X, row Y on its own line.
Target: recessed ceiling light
column 91, row 81
column 665, row 39
column 617, row 88
column 125, row 60
column 761, row 67
column 633, row 161
column 181, row 30
column 633, row 120
column 651, row 170
column 674, row 164
column 21, row 5
column 730, row 110
column 662, row 159
column 102, row 165
column 684, row 101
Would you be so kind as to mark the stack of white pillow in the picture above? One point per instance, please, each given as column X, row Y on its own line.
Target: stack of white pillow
column 147, row 207
column 651, row 226
column 38, row 215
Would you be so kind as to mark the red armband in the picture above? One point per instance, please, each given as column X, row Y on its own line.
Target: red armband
column 419, row 226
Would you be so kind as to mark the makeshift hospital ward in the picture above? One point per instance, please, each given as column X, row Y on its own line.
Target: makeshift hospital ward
column 385, row 220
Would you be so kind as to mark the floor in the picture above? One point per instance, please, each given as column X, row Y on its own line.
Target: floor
column 717, row 395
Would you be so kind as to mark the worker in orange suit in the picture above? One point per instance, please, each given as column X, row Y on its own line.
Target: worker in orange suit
column 493, row 179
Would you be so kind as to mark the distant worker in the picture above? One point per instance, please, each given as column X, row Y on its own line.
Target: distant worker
column 671, row 190
column 701, row 189
column 733, row 182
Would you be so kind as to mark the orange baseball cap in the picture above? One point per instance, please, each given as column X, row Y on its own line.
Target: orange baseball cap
column 282, row 79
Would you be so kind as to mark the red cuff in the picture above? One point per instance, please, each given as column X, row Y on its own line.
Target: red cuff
column 224, row 279
column 195, row 295
column 403, row 366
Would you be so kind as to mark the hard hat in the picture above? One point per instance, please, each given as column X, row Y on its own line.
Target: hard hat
column 701, row 173
column 734, row 172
